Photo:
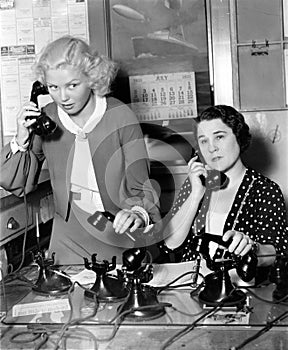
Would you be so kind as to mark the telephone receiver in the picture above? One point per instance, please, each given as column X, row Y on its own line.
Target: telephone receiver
column 99, row 219
column 44, row 125
column 215, row 179
column 246, row 266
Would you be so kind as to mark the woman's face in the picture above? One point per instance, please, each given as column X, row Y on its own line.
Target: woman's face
column 69, row 88
column 218, row 144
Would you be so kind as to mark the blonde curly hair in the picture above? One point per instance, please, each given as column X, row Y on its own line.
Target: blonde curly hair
column 69, row 50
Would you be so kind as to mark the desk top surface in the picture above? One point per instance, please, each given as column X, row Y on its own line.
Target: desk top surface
column 222, row 330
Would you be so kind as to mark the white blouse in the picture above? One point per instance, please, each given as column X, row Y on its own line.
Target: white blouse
column 83, row 178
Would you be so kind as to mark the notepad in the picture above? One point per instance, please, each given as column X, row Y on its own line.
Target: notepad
column 40, row 307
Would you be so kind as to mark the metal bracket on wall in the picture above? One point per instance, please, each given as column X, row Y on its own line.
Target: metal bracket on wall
column 260, row 49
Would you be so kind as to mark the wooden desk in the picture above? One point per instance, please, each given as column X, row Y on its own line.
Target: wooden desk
column 148, row 334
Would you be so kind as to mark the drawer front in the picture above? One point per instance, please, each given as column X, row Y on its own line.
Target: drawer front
column 13, row 220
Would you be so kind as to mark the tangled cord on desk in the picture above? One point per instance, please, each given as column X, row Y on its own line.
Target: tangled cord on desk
column 171, row 285
column 189, row 328
column 43, row 332
column 261, row 331
column 217, row 307
column 34, row 332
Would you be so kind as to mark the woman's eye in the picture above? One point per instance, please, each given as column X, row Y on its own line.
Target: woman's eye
column 52, row 87
column 203, row 142
column 219, row 137
column 72, row 86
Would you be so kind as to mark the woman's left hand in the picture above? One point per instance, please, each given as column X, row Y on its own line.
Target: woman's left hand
column 240, row 244
column 127, row 219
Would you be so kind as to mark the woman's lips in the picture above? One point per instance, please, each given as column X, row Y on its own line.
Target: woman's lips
column 70, row 106
column 215, row 159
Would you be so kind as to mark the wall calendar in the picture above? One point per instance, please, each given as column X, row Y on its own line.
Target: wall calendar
column 163, row 96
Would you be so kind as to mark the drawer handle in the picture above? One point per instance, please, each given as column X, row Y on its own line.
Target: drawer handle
column 12, row 224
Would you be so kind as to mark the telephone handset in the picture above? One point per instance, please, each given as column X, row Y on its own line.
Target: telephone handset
column 43, row 125
column 215, row 179
column 246, row 265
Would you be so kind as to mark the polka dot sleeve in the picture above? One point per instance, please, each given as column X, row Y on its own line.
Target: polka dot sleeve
column 271, row 217
column 264, row 216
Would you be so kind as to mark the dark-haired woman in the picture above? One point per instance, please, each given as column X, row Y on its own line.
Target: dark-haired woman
column 249, row 211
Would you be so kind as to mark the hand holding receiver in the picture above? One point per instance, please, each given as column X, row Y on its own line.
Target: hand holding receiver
column 237, row 242
column 26, row 117
column 128, row 219
column 100, row 219
column 244, row 251
column 210, row 178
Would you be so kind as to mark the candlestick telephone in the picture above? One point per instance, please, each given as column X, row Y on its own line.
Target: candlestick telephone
column 44, row 125
column 218, row 286
column 245, row 265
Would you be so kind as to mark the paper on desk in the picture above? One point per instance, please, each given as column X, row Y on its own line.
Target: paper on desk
column 162, row 273
column 166, row 273
column 40, row 307
column 230, row 315
column 84, row 277
column 87, row 276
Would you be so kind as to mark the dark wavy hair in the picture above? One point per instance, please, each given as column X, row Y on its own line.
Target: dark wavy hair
column 232, row 118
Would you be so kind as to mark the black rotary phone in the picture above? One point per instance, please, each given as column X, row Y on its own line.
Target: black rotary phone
column 43, row 125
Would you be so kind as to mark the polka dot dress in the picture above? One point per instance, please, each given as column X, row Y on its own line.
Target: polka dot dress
column 261, row 215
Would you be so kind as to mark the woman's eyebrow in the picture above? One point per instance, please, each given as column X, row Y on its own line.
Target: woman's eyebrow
column 220, row 132
column 68, row 83
column 214, row 133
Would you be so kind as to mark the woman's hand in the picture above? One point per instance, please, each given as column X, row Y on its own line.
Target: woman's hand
column 127, row 219
column 25, row 118
column 240, row 244
column 195, row 170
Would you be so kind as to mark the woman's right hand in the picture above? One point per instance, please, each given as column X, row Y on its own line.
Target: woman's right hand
column 25, row 118
column 195, row 170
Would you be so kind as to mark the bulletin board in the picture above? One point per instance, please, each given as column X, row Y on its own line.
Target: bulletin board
column 26, row 26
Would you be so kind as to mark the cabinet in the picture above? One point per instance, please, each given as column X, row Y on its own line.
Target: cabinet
column 259, row 42
column 232, row 22
column 18, row 222
column 18, row 214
